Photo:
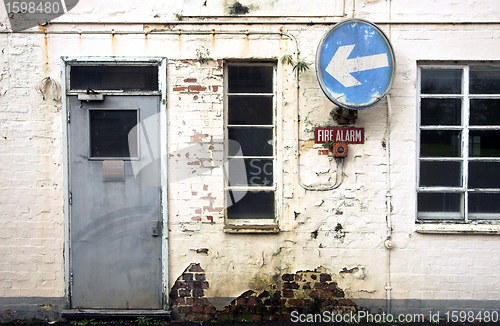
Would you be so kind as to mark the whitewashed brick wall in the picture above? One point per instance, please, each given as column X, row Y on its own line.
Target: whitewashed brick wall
column 423, row 266
column 31, row 222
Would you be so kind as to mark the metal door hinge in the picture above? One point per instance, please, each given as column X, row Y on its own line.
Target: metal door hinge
column 70, row 198
column 69, row 116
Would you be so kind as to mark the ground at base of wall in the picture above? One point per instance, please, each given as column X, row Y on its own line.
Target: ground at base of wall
column 92, row 322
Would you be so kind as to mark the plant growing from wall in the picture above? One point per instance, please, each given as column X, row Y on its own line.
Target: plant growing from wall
column 203, row 55
column 329, row 144
column 298, row 67
column 287, row 59
column 179, row 15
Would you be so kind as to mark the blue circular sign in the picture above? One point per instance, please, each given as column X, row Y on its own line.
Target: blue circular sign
column 355, row 64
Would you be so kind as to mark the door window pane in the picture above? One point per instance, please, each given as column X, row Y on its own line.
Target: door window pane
column 445, row 112
column 250, row 110
column 109, row 133
column 485, row 112
column 144, row 78
column 484, row 143
column 254, row 205
column 484, row 175
column 439, row 205
column 484, row 80
column 440, row 174
column 441, row 81
column 440, row 143
column 484, row 205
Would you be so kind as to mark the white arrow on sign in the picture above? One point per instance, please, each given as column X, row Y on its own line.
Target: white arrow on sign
column 341, row 68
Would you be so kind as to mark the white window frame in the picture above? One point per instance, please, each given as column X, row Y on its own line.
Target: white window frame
column 463, row 217
column 257, row 225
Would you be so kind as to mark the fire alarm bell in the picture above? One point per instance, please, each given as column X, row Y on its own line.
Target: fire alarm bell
column 340, row 150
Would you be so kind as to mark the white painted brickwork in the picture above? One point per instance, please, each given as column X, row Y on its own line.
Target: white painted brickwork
column 31, row 223
column 339, row 229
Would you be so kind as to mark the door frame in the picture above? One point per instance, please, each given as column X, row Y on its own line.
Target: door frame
column 161, row 63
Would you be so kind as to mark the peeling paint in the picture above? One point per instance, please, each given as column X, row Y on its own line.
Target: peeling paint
column 358, row 272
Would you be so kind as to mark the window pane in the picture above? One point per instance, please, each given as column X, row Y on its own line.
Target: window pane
column 436, row 112
column 484, row 175
column 250, row 79
column 253, row 205
column 484, row 143
column 114, row 78
column 444, row 174
column 109, row 130
column 259, row 172
column 485, row 112
column 441, row 81
column 439, row 205
column 253, row 141
column 440, row 143
column 250, row 110
column 484, row 205
column 484, row 80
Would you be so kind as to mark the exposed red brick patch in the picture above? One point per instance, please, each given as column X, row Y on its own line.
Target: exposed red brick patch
column 209, row 196
column 196, row 88
column 190, row 80
column 198, row 138
column 180, row 89
column 275, row 303
column 213, row 209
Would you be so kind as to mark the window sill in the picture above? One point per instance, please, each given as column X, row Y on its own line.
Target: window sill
column 447, row 228
column 273, row 228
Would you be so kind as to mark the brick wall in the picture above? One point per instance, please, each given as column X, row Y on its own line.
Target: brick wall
column 31, row 186
column 303, row 292
column 339, row 229
column 196, row 133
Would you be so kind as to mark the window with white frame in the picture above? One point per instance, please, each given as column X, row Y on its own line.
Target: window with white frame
column 459, row 150
column 251, row 142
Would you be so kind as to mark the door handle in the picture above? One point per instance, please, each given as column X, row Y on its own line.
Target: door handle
column 155, row 228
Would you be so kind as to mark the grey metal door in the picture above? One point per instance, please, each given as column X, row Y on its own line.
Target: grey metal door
column 115, row 203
